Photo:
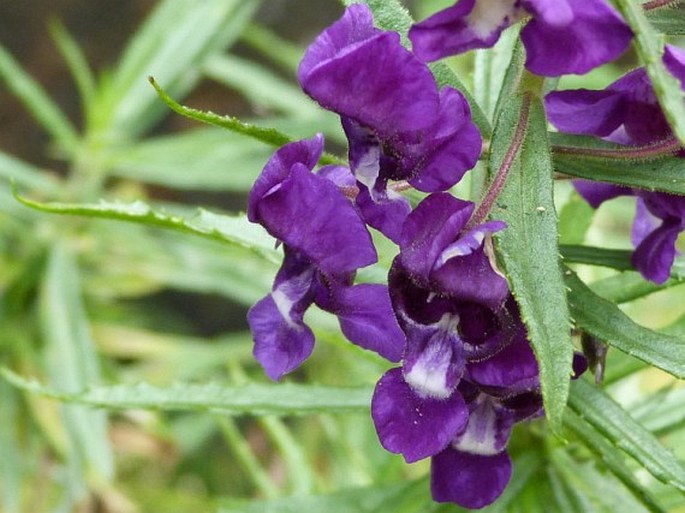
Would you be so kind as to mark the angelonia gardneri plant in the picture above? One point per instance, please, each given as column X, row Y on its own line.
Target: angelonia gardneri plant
column 466, row 371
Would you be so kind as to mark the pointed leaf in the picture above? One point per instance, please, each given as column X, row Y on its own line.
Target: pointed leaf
column 607, row 322
column 251, row 399
column 621, row 430
column 650, row 48
column 589, row 255
column 528, row 247
column 234, row 230
column 669, row 19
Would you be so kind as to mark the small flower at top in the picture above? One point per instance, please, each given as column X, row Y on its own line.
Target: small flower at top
column 562, row 36
column 399, row 125
column 627, row 112
column 324, row 241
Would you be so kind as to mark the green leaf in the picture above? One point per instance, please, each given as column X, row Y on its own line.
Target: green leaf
column 575, row 219
column 172, row 44
column 528, row 247
column 669, row 19
column 613, row 258
column 630, row 285
column 662, row 413
column 654, row 174
column 281, row 52
column 608, row 323
column 234, row 230
column 201, row 159
column 269, row 136
column 621, row 430
column 252, row 399
column 398, row 498
column 11, row 465
column 392, row 15
column 610, row 457
column 13, row 169
column 39, row 104
column 650, row 48
column 72, row 365
column 261, row 87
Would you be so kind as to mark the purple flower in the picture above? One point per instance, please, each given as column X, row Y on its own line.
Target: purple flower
column 627, row 112
column 399, row 126
column 563, row 36
column 325, row 242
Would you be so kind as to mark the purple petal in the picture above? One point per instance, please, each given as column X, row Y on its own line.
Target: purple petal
column 644, row 223
column 366, row 74
column 434, row 358
column 469, row 242
column 367, row 319
column 656, row 253
column 596, row 35
column 674, row 59
column 466, row 25
column 282, row 340
column 306, row 152
column 488, row 429
column 596, row 193
column 339, row 175
column 552, row 12
column 447, row 150
column 386, row 212
column 310, row 214
column 433, row 225
column 587, row 112
column 513, row 370
column 470, row 480
column 411, row 425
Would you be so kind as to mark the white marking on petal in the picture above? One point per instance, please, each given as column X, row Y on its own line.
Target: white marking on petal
column 464, row 246
column 488, row 15
column 288, row 293
column 428, row 375
column 368, row 167
column 480, row 436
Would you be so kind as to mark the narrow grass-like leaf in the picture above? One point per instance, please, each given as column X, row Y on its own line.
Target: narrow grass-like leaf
column 268, row 136
column 650, row 47
column 611, row 458
column 260, row 86
column 528, row 247
column 16, row 170
column 392, row 15
column 662, row 414
column 250, row 399
column 629, row 286
column 234, row 230
column 78, row 65
column 607, row 322
column 614, row 258
column 620, row 429
column 36, row 100
column 285, row 54
column 11, row 465
column 72, row 365
column 172, row 45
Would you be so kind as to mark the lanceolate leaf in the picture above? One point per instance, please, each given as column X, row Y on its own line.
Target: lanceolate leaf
column 529, row 248
column 252, row 399
column 611, row 458
column 606, row 321
column 614, row 258
column 621, row 430
column 392, row 15
column 235, row 230
column 650, row 48
column 669, row 19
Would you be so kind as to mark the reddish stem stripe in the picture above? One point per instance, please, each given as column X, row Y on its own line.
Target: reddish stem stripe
column 656, row 4
column 662, row 148
column 500, row 180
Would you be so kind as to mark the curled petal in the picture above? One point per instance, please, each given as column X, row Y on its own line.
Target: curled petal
column 656, row 253
column 596, row 35
column 366, row 74
column 310, row 214
column 470, row 480
column 583, row 111
column 596, row 193
column 385, row 211
column 414, row 426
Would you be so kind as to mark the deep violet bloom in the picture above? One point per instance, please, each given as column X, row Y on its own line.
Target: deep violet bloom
column 627, row 112
column 399, row 125
column 325, row 242
column 562, row 36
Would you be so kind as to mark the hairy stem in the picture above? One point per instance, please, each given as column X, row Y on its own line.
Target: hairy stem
column 657, row 4
column 662, row 148
column 500, row 179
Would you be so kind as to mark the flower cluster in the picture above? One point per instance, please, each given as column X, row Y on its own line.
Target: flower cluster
column 467, row 371
column 627, row 112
